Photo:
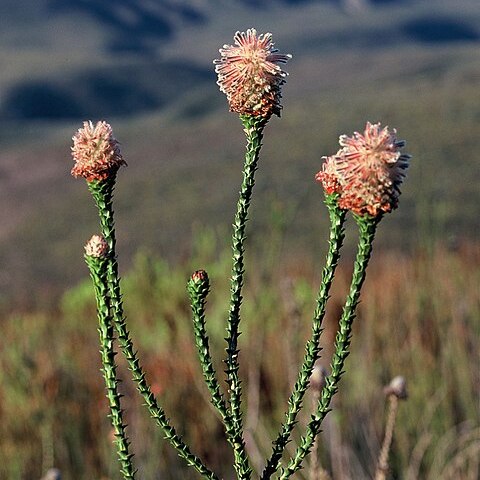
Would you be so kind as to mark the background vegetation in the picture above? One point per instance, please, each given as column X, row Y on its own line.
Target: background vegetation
column 146, row 68
column 419, row 318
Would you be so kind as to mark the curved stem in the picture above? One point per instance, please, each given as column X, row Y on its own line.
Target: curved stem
column 198, row 287
column 253, row 127
column 312, row 348
column 102, row 193
column 367, row 227
column 97, row 267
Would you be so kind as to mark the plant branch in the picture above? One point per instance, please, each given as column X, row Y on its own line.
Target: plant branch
column 367, row 227
column 253, row 128
column 102, row 192
column 312, row 348
column 198, row 287
column 98, row 269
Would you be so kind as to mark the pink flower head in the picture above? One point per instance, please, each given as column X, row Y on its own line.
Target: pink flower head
column 96, row 247
column 367, row 171
column 249, row 74
column 96, row 152
column 328, row 176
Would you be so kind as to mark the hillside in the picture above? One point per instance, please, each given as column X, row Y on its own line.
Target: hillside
column 146, row 67
column 70, row 60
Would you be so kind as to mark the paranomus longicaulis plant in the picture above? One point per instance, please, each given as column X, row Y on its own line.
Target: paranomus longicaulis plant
column 363, row 177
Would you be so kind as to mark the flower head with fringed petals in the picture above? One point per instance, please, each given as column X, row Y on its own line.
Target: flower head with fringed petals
column 96, row 152
column 249, row 74
column 367, row 171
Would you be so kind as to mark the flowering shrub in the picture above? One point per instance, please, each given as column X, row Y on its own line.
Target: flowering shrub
column 362, row 177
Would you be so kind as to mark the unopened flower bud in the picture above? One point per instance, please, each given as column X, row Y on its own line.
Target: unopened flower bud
column 200, row 276
column 96, row 247
column 397, row 387
column 317, row 380
column 52, row 474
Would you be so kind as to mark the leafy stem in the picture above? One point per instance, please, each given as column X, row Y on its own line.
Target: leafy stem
column 198, row 287
column 102, row 192
column 253, row 128
column 367, row 226
column 98, row 270
column 312, row 348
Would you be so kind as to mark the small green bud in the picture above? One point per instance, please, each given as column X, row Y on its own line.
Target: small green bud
column 199, row 277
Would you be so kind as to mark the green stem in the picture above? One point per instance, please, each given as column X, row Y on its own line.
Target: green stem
column 312, row 348
column 102, row 193
column 367, row 227
column 198, row 287
column 253, row 127
column 98, row 267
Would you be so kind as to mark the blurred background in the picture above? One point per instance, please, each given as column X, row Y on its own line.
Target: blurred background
column 146, row 68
